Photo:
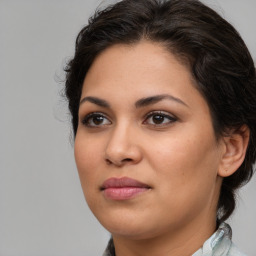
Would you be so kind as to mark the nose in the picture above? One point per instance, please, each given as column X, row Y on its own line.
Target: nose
column 122, row 147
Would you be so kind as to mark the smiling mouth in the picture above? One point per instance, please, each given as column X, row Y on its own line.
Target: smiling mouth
column 123, row 188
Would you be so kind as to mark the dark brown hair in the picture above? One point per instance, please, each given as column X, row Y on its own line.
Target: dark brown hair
column 218, row 58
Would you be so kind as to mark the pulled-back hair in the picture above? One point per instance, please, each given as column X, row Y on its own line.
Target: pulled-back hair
column 208, row 45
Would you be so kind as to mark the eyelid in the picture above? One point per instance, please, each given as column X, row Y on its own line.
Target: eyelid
column 85, row 119
column 160, row 112
column 165, row 114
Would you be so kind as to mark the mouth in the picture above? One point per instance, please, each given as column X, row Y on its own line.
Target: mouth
column 123, row 188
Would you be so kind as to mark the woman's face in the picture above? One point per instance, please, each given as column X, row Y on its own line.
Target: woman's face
column 145, row 148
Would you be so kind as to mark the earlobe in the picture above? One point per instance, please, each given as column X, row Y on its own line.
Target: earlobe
column 235, row 146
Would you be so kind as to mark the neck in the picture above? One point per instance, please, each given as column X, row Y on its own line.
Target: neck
column 179, row 242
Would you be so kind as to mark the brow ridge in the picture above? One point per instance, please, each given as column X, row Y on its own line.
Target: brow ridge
column 138, row 104
column 97, row 101
column 156, row 98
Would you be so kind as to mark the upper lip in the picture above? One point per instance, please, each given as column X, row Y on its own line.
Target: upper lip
column 122, row 182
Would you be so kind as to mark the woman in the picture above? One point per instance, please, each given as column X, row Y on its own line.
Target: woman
column 162, row 96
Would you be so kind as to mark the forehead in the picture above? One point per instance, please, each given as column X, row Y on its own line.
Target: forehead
column 141, row 63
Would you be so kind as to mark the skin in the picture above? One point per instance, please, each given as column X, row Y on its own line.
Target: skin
column 180, row 158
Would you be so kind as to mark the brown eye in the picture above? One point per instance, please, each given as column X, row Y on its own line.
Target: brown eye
column 159, row 118
column 95, row 120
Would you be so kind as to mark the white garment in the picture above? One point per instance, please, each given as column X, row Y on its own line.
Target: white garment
column 219, row 244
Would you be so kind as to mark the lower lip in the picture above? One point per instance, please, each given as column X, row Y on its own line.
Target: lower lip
column 123, row 193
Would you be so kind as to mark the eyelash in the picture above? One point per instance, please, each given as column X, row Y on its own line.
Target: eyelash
column 165, row 115
column 89, row 118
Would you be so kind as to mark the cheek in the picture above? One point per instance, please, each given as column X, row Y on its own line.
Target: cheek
column 186, row 171
column 87, row 162
column 186, row 161
column 87, row 159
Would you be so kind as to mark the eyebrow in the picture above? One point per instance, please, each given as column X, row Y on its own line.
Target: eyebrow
column 97, row 101
column 139, row 103
column 156, row 98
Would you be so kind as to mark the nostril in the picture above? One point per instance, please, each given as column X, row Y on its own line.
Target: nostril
column 127, row 160
column 108, row 161
column 123, row 161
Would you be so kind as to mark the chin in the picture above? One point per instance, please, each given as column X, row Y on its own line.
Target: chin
column 133, row 227
column 130, row 226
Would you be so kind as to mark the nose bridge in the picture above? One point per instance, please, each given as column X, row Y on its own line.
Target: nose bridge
column 122, row 145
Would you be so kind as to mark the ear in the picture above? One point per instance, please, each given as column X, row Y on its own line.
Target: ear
column 235, row 146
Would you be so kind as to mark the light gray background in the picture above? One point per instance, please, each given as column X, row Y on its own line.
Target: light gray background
column 42, row 209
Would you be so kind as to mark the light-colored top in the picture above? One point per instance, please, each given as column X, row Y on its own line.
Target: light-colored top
column 219, row 244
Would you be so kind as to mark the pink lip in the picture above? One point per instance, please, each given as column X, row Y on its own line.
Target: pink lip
column 123, row 188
